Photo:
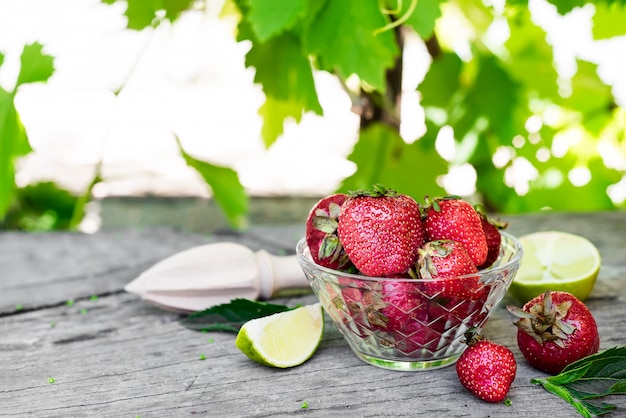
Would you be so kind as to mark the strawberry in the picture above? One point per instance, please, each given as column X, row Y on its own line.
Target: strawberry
column 321, row 233
column 447, row 259
column 491, row 228
column 406, row 313
column 381, row 231
column 453, row 218
column 485, row 368
column 554, row 330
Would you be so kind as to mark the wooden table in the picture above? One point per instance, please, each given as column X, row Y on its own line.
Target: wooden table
column 73, row 343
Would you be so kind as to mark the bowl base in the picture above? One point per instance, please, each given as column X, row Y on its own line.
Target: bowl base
column 409, row 365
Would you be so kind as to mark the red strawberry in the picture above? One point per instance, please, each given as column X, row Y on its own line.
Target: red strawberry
column 491, row 228
column 447, row 259
column 381, row 231
column 486, row 369
column 321, row 233
column 406, row 313
column 455, row 219
column 554, row 330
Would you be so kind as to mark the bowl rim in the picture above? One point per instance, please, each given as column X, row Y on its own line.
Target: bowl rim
column 308, row 260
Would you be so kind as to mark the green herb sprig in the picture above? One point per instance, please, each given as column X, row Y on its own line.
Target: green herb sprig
column 229, row 317
column 583, row 382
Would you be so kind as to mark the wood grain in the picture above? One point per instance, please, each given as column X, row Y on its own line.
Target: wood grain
column 117, row 356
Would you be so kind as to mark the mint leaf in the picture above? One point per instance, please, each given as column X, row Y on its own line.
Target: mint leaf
column 592, row 377
column 229, row 317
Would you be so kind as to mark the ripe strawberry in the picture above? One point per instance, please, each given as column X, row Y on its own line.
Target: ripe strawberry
column 406, row 316
column 321, row 233
column 447, row 259
column 491, row 228
column 554, row 330
column 455, row 219
column 486, row 369
column 381, row 231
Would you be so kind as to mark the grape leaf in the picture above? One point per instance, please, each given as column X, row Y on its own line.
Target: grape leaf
column 566, row 6
column 344, row 38
column 423, row 18
column 595, row 376
column 228, row 192
column 231, row 316
column 143, row 13
column 442, row 81
column 274, row 113
column 608, row 21
column 271, row 17
column 531, row 60
column 589, row 92
column 35, row 65
column 383, row 157
column 287, row 80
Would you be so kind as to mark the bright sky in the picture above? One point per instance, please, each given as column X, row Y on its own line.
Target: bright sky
column 188, row 79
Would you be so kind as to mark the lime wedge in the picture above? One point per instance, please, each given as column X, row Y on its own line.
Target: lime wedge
column 557, row 261
column 284, row 339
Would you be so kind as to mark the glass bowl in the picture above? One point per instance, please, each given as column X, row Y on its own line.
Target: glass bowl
column 410, row 324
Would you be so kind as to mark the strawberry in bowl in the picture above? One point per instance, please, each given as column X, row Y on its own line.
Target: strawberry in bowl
column 405, row 297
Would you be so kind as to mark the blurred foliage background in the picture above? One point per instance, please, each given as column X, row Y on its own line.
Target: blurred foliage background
column 495, row 108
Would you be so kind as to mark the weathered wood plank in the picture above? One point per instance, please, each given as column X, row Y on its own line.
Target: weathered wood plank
column 119, row 356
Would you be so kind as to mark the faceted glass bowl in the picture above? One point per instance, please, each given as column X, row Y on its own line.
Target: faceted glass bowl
column 410, row 324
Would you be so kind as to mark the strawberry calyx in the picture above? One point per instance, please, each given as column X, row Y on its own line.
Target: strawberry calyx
column 326, row 222
column 497, row 223
column 377, row 190
column 544, row 321
column 425, row 264
column 434, row 203
column 472, row 336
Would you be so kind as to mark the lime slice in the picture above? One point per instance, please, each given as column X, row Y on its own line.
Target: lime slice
column 557, row 261
column 284, row 339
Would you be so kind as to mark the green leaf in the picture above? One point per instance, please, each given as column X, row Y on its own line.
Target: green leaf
column 274, row 113
column 344, row 39
column 41, row 206
column 229, row 317
column 13, row 143
column 269, row 18
column 228, row 192
column 531, row 59
column 590, row 95
column 601, row 374
column 566, row 6
column 145, row 13
column 383, row 157
column 35, row 65
column 442, row 81
column 608, row 21
column 423, row 18
column 286, row 76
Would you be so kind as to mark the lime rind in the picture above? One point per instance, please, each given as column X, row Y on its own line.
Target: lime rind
column 284, row 339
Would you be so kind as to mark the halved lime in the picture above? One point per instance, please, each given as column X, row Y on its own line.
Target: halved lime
column 284, row 339
column 556, row 260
